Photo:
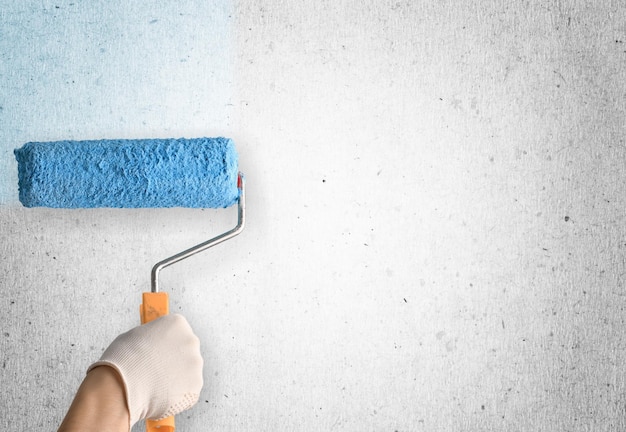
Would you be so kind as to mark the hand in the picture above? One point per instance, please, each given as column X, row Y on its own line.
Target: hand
column 160, row 366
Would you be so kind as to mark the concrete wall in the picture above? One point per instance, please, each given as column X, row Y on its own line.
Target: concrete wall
column 435, row 202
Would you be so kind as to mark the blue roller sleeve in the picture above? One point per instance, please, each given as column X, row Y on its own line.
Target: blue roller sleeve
column 199, row 172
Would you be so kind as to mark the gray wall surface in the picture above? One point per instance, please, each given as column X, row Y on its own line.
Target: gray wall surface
column 435, row 236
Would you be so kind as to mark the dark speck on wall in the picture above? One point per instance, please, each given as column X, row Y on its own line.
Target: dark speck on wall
column 566, row 218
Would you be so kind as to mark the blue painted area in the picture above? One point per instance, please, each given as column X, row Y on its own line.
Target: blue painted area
column 107, row 69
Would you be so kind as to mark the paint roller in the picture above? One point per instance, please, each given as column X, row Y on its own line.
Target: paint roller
column 125, row 173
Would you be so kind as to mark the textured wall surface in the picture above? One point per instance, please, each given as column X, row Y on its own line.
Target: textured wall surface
column 435, row 207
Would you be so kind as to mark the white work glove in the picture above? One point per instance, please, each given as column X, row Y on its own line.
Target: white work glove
column 160, row 365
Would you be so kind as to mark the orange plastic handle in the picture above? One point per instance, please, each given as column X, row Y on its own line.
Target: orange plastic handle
column 156, row 305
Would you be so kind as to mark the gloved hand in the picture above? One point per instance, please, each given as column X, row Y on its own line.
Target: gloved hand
column 160, row 365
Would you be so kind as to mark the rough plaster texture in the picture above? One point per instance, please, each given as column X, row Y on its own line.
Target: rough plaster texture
column 435, row 237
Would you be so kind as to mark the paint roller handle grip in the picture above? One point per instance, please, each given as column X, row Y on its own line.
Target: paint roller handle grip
column 153, row 306
column 163, row 425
